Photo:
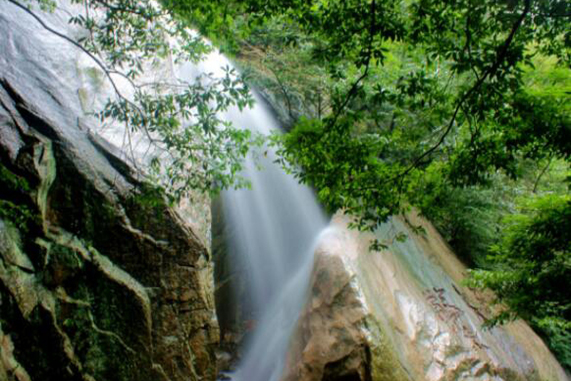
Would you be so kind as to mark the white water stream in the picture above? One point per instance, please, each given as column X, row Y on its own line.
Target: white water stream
column 274, row 226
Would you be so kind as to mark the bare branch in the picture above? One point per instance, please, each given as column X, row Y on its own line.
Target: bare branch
column 536, row 184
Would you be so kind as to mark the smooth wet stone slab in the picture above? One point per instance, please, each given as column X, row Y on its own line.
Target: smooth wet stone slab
column 402, row 314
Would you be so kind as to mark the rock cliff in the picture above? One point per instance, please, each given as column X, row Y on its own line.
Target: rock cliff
column 403, row 314
column 95, row 283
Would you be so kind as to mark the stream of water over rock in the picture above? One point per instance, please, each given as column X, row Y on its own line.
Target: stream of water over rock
column 275, row 226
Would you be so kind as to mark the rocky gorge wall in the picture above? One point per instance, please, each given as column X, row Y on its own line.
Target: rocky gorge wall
column 95, row 284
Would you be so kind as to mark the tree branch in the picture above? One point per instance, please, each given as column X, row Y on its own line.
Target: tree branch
column 105, row 70
column 490, row 72
column 536, row 184
column 369, row 53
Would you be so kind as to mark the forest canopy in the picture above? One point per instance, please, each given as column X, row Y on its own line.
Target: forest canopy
column 459, row 94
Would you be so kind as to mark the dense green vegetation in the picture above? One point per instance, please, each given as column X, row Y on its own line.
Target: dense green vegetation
column 532, row 268
column 458, row 107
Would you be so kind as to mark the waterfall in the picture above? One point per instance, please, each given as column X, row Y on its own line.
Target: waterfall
column 274, row 223
column 274, row 229
column 274, row 226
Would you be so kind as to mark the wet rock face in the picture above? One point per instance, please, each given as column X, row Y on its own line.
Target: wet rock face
column 333, row 340
column 402, row 314
column 94, row 284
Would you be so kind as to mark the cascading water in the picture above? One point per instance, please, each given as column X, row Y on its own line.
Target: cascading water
column 274, row 227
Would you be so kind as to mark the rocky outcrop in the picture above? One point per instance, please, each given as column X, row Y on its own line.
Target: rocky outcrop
column 95, row 282
column 402, row 314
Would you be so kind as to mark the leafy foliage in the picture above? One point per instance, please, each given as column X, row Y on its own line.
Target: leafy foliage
column 406, row 84
column 533, row 268
column 469, row 218
column 349, row 177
